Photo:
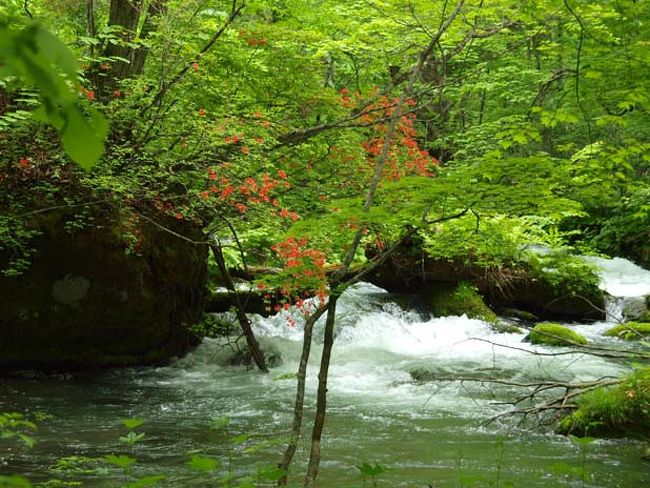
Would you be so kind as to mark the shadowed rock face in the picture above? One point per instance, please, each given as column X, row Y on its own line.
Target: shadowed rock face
column 410, row 271
column 85, row 301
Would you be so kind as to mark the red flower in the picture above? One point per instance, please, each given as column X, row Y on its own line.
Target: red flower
column 202, row 112
column 90, row 95
column 117, row 94
column 245, row 150
column 179, row 216
column 212, row 175
column 282, row 174
column 24, row 163
column 195, row 66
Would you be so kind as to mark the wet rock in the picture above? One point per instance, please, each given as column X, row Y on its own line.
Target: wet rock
column 90, row 299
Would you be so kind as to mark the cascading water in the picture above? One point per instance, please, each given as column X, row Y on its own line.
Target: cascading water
column 424, row 433
column 625, row 283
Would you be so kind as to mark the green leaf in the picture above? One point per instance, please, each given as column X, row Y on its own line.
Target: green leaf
column 240, row 439
column 14, row 482
column 202, row 463
column 132, row 423
column 219, row 422
column 369, row 470
column 120, row 461
column 132, row 438
column 83, row 139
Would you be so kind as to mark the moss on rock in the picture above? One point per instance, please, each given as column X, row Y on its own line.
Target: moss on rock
column 459, row 300
column 630, row 331
column 622, row 410
column 555, row 335
column 502, row 327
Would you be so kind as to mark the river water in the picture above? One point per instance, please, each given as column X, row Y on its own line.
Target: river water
column 423, row 434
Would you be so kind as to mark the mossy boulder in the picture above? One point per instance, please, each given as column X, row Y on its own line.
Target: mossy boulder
column 118, row 292
column 617, row 411
column 552, row 287
column 463, row 299
column 519, row 314
column 630, row 331
column 555, row 335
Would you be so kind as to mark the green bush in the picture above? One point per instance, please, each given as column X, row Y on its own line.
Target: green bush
column 623, row 410
column 566, row 274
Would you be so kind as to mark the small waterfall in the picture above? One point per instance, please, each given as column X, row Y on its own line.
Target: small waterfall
column 626, row 286
column 615, row 308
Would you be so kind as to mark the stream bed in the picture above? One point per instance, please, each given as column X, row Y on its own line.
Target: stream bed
column 422, row 434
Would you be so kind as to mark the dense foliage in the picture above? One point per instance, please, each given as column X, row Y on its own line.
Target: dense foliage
column 267, row 118
column 300, row 138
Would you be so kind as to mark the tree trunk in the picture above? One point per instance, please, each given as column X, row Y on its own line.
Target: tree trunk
column 243, row 320
column 321, row 399
column 300, row 394
column 139, row 55
column 124, row 14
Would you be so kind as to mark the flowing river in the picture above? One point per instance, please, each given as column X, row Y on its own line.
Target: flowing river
column 421, row 434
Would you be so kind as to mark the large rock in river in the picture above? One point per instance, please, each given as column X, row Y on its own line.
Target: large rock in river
column 86, row 301
column 410, row 270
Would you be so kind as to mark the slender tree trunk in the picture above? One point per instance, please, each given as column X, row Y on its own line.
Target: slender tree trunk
column 321, row 398
column 290, row 451
column 139, row 55
column 319, row 421
column 243, row 320
column 90, row 21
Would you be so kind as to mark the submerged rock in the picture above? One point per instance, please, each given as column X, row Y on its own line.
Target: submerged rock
column 92, row 298
column 555, row 335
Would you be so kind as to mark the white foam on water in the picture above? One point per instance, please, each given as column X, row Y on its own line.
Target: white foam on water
column 622, row 278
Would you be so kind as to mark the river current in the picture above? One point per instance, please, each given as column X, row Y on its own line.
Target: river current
column 422, row 434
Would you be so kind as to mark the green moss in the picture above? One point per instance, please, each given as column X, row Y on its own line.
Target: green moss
column 520, row 314
column 630, row 331
column 555, row 335
column 464, row 299
column 622, row 410
column 505, row 328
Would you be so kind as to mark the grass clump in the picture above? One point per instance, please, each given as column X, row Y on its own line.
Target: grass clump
column 555, row 335
column 618, row 411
